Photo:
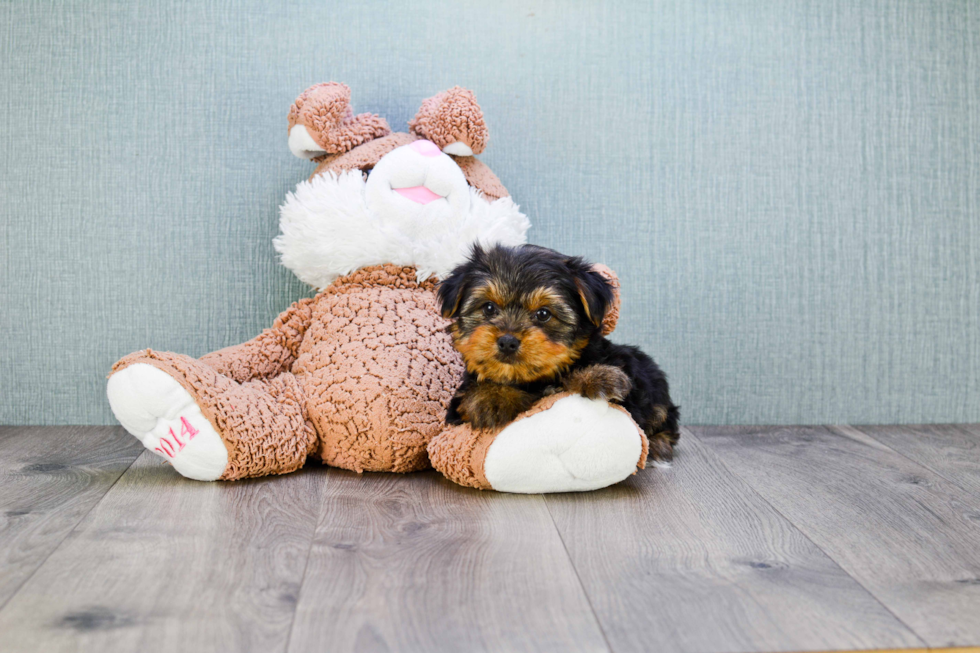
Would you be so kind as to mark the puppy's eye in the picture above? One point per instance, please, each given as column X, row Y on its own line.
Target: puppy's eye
column 489, row 309
column 542, row 315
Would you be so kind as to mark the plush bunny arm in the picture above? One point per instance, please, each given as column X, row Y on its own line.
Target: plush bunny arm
column 270, row 353
column 612, row 313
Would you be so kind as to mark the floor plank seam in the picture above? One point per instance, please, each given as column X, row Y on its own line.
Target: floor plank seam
column 306, row 562
column 68, row 534
column 585, row 592
column 809, row 539
column 914, row 461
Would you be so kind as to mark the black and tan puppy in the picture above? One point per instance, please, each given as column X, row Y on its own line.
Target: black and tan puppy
column 527, row 321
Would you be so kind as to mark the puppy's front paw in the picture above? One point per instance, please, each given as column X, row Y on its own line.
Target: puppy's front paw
column 492, row 417
column 489, row 406
column 599, row 382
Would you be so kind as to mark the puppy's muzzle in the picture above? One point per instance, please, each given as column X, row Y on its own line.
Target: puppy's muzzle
column 507, row 346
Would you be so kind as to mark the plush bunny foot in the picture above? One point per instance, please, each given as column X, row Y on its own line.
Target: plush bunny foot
column 578, row 444
column 161, row 414
column 565, row 443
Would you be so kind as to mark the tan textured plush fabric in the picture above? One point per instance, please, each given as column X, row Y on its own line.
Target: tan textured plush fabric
column 452, row 116
column 270, row 353
column 363, row 157
column 480, row 176
column 378, row 369
column 459, row 452
column 611, row 317
column 325, row 111
column 263, row 423
column 359, row 142
column 359, row 375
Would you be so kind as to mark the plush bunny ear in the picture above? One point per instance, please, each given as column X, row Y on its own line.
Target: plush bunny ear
column 321, row 122
column 453, row 121
column 611, row 316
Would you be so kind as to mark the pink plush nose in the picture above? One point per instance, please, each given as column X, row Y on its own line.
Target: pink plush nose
column 426, row 148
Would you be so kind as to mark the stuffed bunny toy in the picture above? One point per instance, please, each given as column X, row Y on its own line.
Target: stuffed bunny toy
column 359, row 376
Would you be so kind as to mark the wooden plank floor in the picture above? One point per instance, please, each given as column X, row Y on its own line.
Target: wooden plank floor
column 757, row 539
column 906, row 534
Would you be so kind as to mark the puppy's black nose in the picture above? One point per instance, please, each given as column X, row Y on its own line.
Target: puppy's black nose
column 508, row 344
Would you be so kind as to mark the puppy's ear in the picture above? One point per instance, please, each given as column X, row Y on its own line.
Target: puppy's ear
column 594, row 290
column 453, row 289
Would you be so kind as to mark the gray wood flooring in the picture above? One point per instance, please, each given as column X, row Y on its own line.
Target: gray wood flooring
column 756, row 539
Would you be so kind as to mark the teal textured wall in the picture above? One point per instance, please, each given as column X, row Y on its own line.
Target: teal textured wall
column 790, row 190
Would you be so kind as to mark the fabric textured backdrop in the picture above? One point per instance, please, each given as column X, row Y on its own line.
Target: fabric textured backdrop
column 790, row 190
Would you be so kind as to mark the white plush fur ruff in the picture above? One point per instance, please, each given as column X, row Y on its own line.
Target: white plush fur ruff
column 576, row 445
column 328, row 231
column 149, row 403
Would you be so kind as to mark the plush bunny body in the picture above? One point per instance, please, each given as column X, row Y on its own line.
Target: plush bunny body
column 359, row 376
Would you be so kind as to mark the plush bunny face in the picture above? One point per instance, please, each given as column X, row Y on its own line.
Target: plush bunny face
column 417, row 185
column 408, row 199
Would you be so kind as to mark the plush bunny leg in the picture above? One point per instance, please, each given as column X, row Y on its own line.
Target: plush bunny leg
column 565, row 443
column 208, row 426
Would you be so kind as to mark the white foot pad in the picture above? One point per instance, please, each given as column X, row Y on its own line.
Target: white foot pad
column 155, row 408
column 576, row 445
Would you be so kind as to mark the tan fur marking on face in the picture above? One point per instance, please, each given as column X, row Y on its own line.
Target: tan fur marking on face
column 494, row 293
column 539, row 357
column 542, row 297
column 477, row 347
column 486, row 292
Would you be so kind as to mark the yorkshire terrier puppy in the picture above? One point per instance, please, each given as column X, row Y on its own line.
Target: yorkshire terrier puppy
column 527, row 321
